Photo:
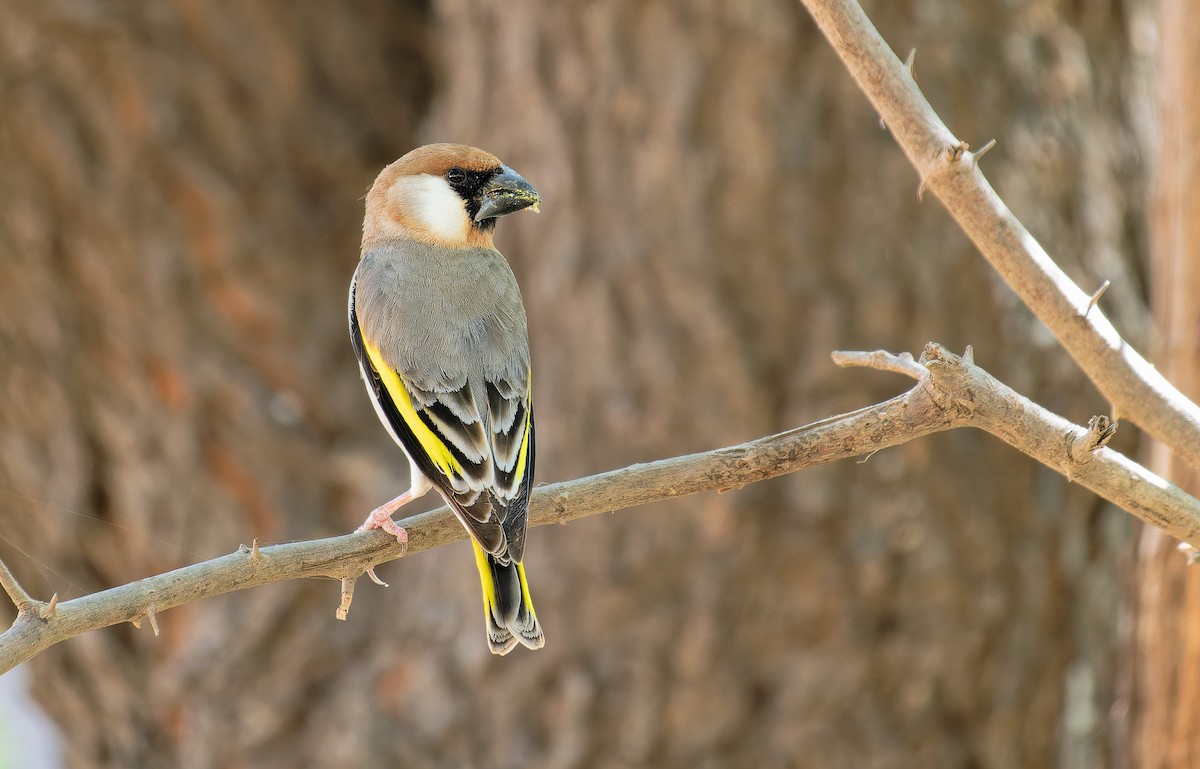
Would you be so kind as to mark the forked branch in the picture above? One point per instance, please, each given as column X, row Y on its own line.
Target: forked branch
column 1134, row 388
column 951, row 392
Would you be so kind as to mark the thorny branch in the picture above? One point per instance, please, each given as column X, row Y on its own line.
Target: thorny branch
column 1134, row 388
column 951, row 392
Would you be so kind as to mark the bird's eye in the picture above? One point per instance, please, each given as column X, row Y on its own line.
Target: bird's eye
column 456, row 176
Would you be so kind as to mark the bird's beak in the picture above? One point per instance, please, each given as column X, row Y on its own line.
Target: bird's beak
column 506, row 193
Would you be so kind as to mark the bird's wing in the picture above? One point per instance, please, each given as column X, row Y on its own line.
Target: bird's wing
column 480, row 459
column 510, row 424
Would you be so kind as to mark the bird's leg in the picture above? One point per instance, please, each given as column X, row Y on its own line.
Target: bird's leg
column 381, row 517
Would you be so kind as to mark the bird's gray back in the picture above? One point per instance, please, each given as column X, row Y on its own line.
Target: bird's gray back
column 443, row 315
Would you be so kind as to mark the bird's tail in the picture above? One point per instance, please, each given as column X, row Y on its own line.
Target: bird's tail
column 506, row 604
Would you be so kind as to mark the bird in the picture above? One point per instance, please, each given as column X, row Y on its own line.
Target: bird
column 440, row 332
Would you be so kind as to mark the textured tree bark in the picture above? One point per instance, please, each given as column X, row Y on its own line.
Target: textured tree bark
column 721, row 210
column 1166, row 645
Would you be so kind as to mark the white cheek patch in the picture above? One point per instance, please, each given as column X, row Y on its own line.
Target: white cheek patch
column 434, row 205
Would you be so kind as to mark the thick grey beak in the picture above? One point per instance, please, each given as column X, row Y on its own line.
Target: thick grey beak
column 506, row 193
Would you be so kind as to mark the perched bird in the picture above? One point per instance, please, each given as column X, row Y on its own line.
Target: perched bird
column 439, row 329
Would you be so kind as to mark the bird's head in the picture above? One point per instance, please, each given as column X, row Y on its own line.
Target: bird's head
column 449, row 194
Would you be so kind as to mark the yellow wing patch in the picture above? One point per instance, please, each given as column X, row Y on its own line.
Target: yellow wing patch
column 438, row 453
column 519, row 470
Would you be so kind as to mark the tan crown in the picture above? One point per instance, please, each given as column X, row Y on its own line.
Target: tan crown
column 437, row 159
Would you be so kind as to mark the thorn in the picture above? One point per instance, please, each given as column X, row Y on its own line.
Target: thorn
column 867, row 458
column 985, row 149
column 152, row 615
column 921, row 192
column 136, row 622
column 1096, row 297
column 254, row 552
column 969, row 355
column 347, row 598
column 52, row 607
column 375, row 578
column 910, row 64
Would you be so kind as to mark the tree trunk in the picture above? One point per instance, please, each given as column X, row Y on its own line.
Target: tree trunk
column 182, row 191
column 1166, row 646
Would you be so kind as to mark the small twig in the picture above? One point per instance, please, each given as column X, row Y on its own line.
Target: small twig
column 11, row 586
column 883, row 361
column 1095, row 297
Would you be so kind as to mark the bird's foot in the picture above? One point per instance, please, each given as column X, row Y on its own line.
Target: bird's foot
column 381, row 518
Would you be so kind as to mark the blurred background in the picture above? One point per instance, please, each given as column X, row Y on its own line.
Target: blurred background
column 181, row 190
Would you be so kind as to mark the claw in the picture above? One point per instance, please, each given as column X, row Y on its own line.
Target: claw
column 375, row 579
column 381, row 518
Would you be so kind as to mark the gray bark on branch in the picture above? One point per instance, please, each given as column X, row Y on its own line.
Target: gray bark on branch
column 951, row 392
column 1134, row 388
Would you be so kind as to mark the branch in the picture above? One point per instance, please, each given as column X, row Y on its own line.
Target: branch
column 1133, row 387
column 951, row 392
column 17, row 593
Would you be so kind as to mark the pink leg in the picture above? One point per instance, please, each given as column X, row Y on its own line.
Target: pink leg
column 381, row 518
